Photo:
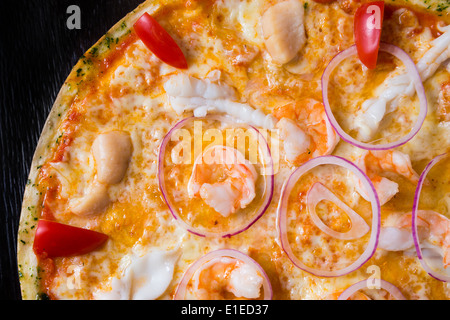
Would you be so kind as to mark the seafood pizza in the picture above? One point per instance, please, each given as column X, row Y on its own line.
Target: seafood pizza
column 237, row 149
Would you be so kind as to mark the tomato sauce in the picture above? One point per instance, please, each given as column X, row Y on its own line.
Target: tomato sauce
column 117, row 52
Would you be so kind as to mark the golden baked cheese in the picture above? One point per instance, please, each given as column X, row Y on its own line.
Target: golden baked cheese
column 173, row 164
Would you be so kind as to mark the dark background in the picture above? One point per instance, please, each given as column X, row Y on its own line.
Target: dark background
column 37, row 52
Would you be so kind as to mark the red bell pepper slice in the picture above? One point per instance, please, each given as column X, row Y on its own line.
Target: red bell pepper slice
column 156, row 38
column 367, row 31
column 55, row 239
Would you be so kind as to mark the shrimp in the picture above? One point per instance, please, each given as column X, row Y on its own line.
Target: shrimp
column 296, row 141
column 224, row 179
column 432, row 226
column 396, row 235
column 374, row 162
column 309, row 116
column 393, row 161
column 223, row 278
column 373, row 110
column 395, row 239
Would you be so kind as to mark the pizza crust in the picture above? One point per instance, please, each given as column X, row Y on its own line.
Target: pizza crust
column 26, row 259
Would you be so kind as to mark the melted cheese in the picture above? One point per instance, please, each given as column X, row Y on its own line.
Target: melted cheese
column 144, row 278
column 132, row 98
column 245, row 17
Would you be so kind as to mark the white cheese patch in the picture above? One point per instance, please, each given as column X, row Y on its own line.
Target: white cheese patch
column 145, row 278
column 246, row 15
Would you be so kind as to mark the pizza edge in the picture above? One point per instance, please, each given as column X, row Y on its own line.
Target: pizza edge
column 27, row 263
column 28, row 269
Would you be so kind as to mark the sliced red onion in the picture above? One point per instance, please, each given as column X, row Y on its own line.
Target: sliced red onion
column 282, row 214
column 268, row 172
column 180, row 293
column 413, row 75
column 389, row 287
column 319, row 192
column 414, row 215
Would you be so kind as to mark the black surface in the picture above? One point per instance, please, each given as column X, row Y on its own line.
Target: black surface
column 37, row 52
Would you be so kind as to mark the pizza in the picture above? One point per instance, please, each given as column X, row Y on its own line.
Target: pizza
column 237, row 149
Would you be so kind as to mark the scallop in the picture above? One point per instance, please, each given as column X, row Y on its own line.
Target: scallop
column 112, row 152
column 94, row 201
column 283, row 30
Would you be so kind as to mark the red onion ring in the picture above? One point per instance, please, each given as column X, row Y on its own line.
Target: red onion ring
column 413, row 74
column 268, row 172
column 414, row 215
column 180, row 292
column 282, row 218
column 319, row 192
column 389, row 287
